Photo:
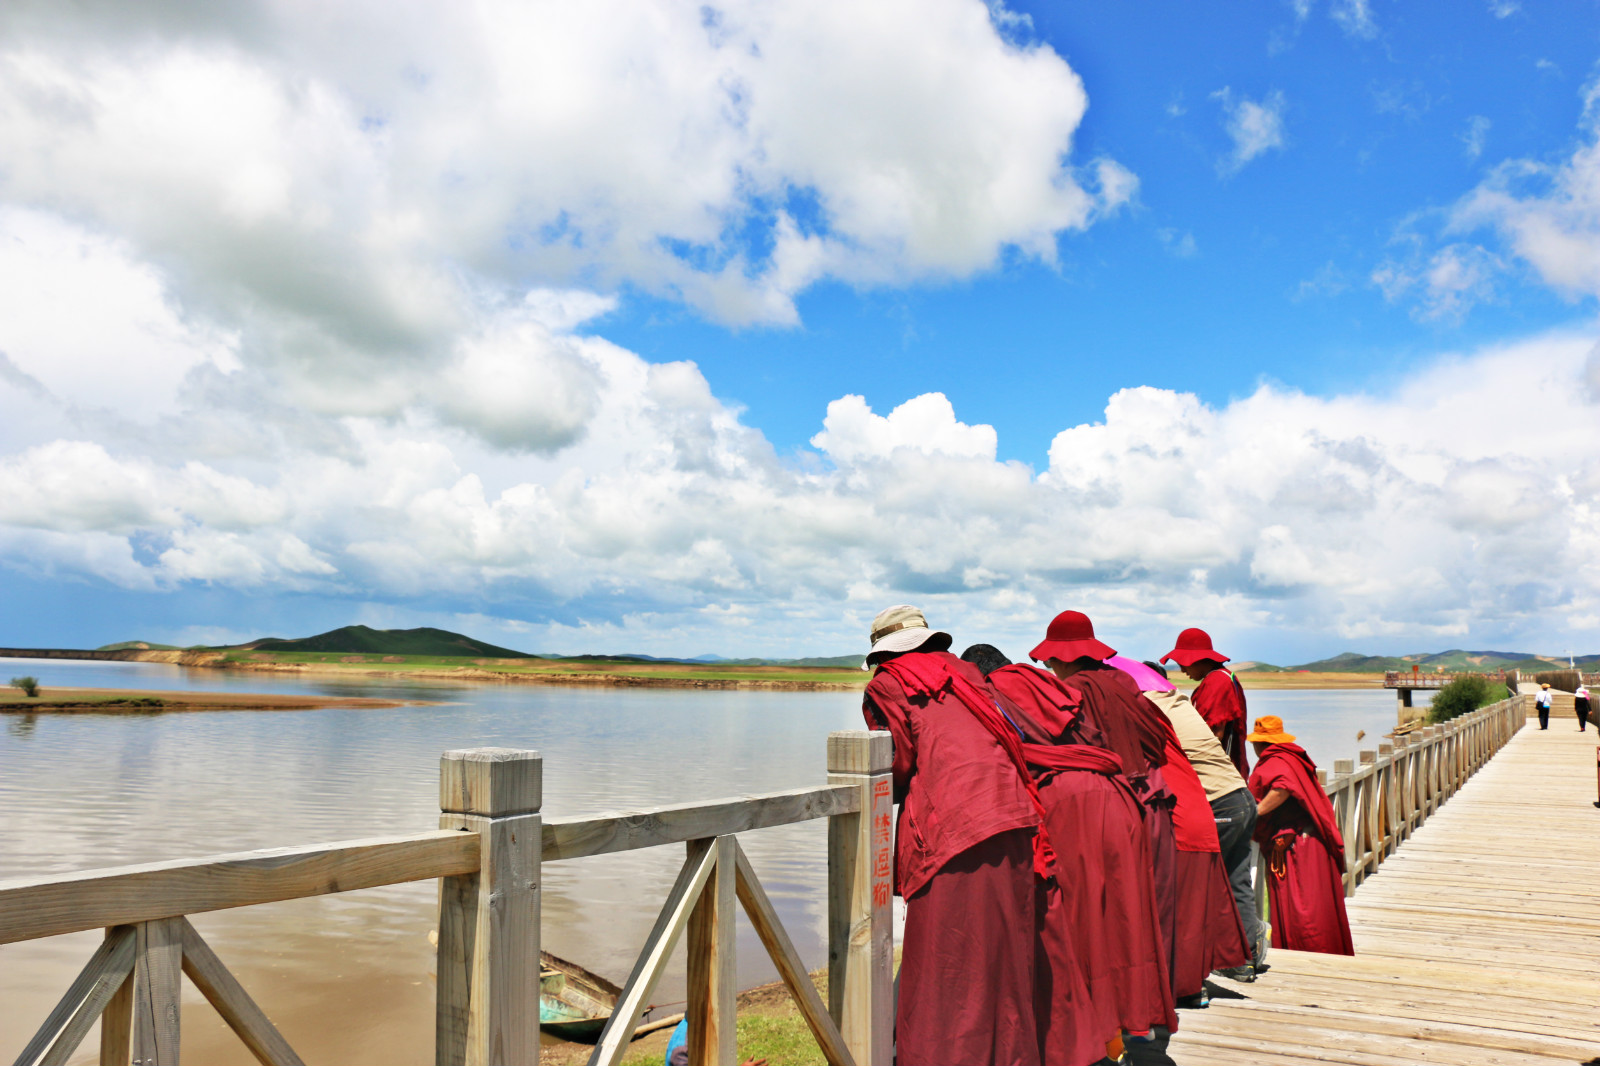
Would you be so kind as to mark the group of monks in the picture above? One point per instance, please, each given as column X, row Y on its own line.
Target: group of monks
column 1073, row 842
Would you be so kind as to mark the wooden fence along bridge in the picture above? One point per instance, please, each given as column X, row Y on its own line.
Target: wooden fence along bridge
column 1478, row 944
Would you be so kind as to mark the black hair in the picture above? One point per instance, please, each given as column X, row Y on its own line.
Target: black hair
column 1157, row 667
column 985, row 657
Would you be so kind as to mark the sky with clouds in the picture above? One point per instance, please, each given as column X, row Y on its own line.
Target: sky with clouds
column 678, row 328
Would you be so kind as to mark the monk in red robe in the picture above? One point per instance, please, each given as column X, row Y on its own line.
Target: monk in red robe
column 1299, row 835
column 1200, row 925
column 1219, row 697
column 1104, row 905
column 971, row 855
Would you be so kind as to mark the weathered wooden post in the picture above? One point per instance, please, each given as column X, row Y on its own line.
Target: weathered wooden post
column 488, row 996
column 860, row 882
column 713, row 975
column 1344, row 807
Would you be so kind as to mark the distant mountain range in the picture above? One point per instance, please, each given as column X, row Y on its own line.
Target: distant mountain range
column 363, row 640
column 1453, row 661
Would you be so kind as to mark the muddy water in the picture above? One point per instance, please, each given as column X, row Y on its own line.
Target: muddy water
column 348, row 978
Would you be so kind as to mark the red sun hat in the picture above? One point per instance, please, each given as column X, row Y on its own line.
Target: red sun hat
column 1071, row 636
column 1193, row 645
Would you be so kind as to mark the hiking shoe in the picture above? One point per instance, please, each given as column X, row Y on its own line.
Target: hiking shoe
column 1262, row 945
column 1245, row 973
column 1198, row 1001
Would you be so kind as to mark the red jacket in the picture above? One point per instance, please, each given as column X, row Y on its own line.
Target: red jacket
column 955, row 785
column 1220, row 700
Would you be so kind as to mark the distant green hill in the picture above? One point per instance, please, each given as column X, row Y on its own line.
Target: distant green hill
column 363, row 640
column 1452, row 661
column 1355, row 663
column 137, row 645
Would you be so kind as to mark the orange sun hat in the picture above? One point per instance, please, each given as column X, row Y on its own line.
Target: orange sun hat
column 1269, row 730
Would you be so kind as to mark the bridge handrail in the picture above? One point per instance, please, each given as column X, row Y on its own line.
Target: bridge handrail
column 1399, row 785
column 487, row 856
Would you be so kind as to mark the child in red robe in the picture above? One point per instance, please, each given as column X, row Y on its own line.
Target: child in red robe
column 1299, row 834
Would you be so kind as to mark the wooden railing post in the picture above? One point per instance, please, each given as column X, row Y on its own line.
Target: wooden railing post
column 488, row 994
column 1344, row 808
column 860, row 923
column 713, row 976
column 158, row 968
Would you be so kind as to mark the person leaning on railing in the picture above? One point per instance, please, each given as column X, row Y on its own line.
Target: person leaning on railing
column 1299, row 836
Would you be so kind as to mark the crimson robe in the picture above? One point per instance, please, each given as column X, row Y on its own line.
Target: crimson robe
column 1200, row 922
column 1220, row 700
column 1103, row 917
column 1207, row 932
column 965, row 855
column 1305, row 851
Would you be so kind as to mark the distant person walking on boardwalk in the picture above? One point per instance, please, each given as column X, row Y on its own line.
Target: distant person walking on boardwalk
column 1580, row 704
column 1299, row 835
column 1102, row 913
column 1543, row 703
column 1233, row 808
column 1199, row 922
column 971, row 854
column 1219, row 697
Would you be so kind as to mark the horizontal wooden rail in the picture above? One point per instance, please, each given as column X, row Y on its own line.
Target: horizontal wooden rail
column 94, row 899
column 574, row 838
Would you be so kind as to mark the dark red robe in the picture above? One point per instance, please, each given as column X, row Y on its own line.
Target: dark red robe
column 1305, row 855
column 1207, row 932
column 965, row 853
column 1200, row 923
column 1220, row 700
column 1103, row 915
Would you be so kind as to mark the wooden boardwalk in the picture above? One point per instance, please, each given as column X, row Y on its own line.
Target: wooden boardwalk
column 1478, row 942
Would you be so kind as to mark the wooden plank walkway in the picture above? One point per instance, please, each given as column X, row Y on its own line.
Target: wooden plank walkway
column 1477, row 943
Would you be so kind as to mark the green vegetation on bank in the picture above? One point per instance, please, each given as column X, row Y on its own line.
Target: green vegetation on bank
column 29, row 686
column 1462, row 696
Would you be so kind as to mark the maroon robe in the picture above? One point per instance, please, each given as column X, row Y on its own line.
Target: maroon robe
column 1140, row 735
column 964, row 858
column 1220, row 700
column 1207, row 932
column 1305, row 855
column 1103, row 912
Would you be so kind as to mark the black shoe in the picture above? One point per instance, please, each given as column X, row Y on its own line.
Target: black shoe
column 1198, row 1001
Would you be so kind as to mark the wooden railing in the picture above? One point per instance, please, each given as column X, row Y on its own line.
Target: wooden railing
column 1398, row 786
column 488, row 855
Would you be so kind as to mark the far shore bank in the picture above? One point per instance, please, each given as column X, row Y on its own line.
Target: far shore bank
column 57, row 700
column 583, row 672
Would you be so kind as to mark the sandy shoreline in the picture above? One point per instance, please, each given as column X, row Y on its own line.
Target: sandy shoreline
column 53, row 700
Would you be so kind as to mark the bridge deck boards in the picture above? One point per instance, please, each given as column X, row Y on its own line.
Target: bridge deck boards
column 1478, row 943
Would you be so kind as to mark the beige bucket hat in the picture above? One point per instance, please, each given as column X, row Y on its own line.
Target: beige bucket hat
column 903, row 628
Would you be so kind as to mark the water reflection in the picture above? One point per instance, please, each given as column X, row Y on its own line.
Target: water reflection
column 348, row 977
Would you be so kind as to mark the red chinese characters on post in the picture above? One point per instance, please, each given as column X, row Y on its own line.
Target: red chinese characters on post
column 882, row 834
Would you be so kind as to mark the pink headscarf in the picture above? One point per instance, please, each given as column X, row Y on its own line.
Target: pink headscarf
column 1147, row 679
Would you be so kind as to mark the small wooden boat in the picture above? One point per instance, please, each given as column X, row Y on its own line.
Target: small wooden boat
column 574, row 1003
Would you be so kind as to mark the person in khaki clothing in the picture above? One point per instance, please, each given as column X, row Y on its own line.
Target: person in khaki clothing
column 1232, row 805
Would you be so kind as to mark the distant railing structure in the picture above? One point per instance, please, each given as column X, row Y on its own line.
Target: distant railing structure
column 1415, row 680
column 1400, row 785
column 488, row 855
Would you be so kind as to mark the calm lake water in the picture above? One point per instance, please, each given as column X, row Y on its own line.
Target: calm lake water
column 348, row 978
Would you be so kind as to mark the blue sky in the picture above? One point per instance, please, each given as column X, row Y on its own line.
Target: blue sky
column 642, row 327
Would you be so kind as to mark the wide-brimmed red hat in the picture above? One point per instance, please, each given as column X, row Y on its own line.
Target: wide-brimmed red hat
column 1193, row 645
column 1071, row 636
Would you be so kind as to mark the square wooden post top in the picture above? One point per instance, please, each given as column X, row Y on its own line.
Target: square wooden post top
column 491, row 781
column 858, row 751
